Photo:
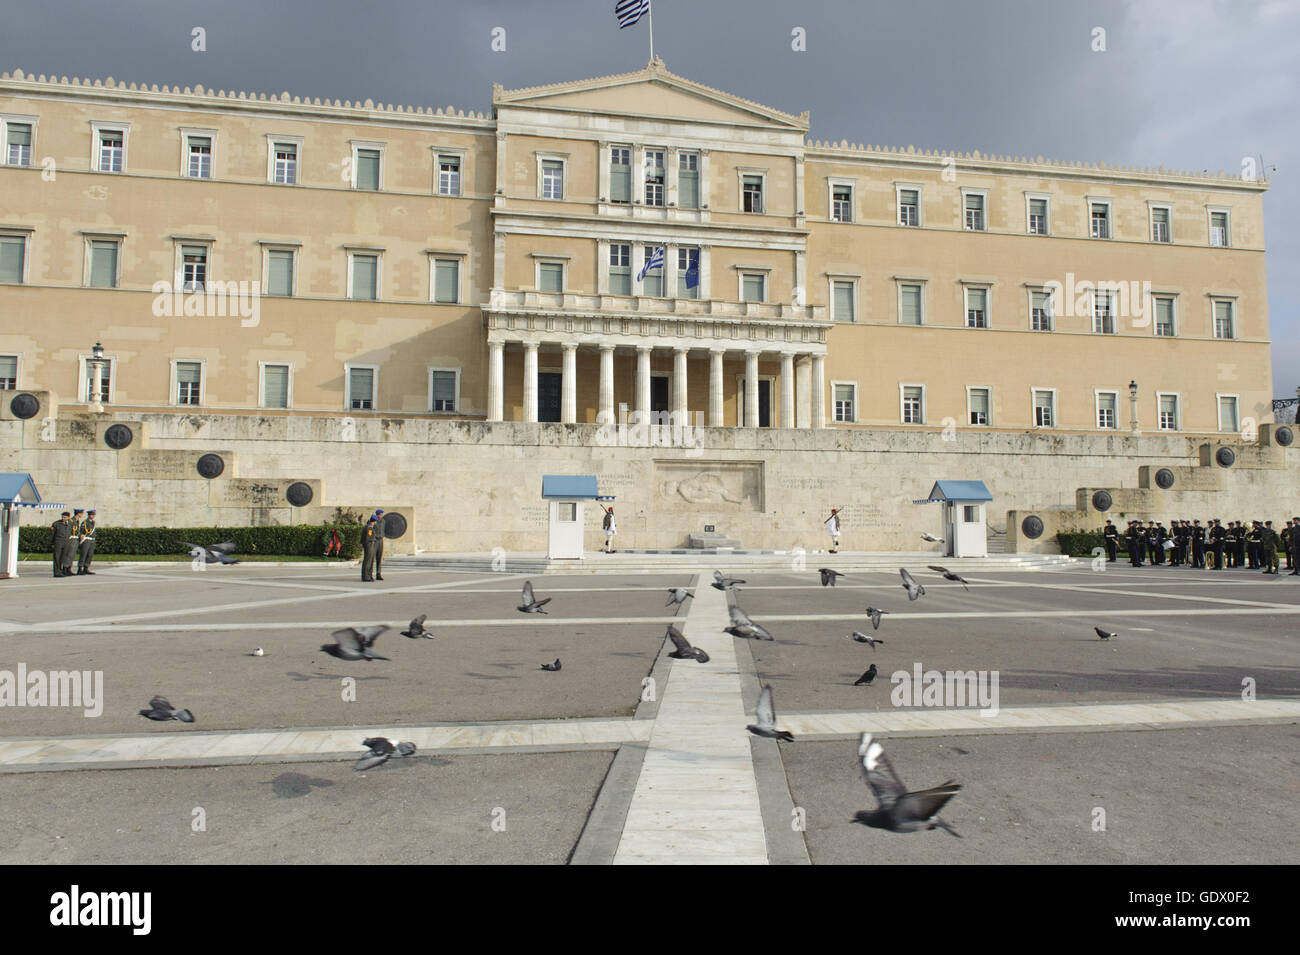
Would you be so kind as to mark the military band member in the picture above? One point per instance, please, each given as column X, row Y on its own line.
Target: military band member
column 379, row 545
column 1198, row 544
column 1134, row 540
column 1284, row 539
column 1253, row 540
column 833, row 528
column 1217, row 534
column 368, row 550
column 74, row 542
column 86, row 549
column 1110, row 537
column 59, row 540
column 1295, row 547
column 1230, row 543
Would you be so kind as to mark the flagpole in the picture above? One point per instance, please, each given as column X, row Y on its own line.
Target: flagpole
column 652, row 31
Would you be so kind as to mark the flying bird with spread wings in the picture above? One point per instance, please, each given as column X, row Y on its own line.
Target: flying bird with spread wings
column 899, row 810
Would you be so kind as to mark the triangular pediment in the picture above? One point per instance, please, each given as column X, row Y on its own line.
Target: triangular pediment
column 652, row 92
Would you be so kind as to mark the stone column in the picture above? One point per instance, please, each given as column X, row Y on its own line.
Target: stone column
column 643, row 382
column 530, row 381
column 607, row 383
column 496, row 381
column 819, row 391
column 787, row 389
column 802, row 392
column 751, row 389
column 569, row 384
column 680, row 391
column 715, row 388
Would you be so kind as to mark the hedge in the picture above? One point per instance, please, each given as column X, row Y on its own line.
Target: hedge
column 1085, row 543
column 300, row 540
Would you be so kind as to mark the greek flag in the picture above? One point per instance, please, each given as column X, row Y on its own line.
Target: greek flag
column 656, row 261
column 630, row 11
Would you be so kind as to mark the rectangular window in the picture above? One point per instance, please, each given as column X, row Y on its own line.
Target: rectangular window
column 8, row 372
column 752, row 193
column 1040, row 311
column 654, row 177
column 620, row 174
column 279, row 272
column 442, row 390
column 13, row 252
column 1044, row 409
column 753, row 287
column 1038, row 217
column 189, row 380
column 365, row 277
column 367, row 169
column 199, row 152
column 286, row 163
column 978, row 402
column 842, row 203
column 1165, row 317
column 112, row 150
column 103, row 263
column 1224, row 326
column 552, row 179
column 1099, row 214
column 1103, row 313
column 688, row 180
column 977, row 302
column 909, row 305
column 913, row 404
column 1168, row 412
column 844, row 401
column 194, row 268
column 18, row 144
column 448, row 175
column 909, row 207
column 974, row 205
column 653, row 283
column 1160, row 224
column 361, row 389
column 688, row 272
column 275, row 386
column 446, row 281
column 842, row 301
column 550, row 277
column 1228, row 413
column 1107, row 410
column 620, row 269
column 105, row 381
column 1218, row 228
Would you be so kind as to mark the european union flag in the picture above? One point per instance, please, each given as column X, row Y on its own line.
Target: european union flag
column 693, row 270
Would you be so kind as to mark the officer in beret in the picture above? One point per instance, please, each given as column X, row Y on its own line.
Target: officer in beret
column 86, row 549
column 368, row 534
column 59, row 541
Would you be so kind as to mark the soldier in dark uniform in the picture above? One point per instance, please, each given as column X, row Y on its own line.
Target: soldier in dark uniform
column 1198, row 544
column 1217, row 534
column 368, row 534
column 74, row 542
column 379, row 545
column 1162, row 538
column 1110, row 537
column 1252, row 545
column 1230, row 544
column 1268, row 548
column 62, row 536
column 1285, row 539
column 86, row 549
column 1131, row 539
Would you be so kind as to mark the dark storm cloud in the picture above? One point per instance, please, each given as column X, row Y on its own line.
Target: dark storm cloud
column 1188, row 84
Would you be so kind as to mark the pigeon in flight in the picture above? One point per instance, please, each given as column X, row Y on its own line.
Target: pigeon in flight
column 212, row 553
column 684, row 650
column 858, row 636
column 416, row 630
column 161, row 711
column 765, row 714
column 531, row 604
column 551, row 666
column 354, row 643
column 931, row 538
column 948, row 574
column 875, row 614
column 742, row 626
column 677, row 595
column 913, row 588
column 1104, row 635
column 900, row 810
column 380, row 751
column 724, row 583
column 828, row 576
column 867, row 678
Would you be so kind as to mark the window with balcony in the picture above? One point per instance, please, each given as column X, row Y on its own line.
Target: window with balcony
column 688, row 180
column 655, row 177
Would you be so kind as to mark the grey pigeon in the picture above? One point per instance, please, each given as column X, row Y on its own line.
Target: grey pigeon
column 913, row 588
column 948, row 575
column 765, row 714
column 677, row 595
column 212, row 553
column 354, row 643
column 742, row 626
column 381, row 750
column 900, row 810
column 1104, row 635
column 724, row 583
column 857, row 636
column 875, row 614
column 828, row 576
column 161, row 711
column 416, row 630
column 551, row 666
column 931, row 538
column 684, row 649
column 867, row 678
column 531, row 604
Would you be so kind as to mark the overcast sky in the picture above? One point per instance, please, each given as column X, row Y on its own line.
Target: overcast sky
column 1188, row 84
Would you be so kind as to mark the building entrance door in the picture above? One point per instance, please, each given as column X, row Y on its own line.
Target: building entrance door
column 764, row 403
column 548, row 396
column 658, row 394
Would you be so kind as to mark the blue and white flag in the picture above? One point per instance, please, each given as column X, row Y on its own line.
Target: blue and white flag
column 630, row 11
column 656, row 261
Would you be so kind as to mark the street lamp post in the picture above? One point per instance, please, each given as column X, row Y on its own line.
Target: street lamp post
column 1133, row 406
column 97, row 367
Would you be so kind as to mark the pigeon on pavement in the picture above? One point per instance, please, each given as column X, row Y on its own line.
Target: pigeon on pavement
column 1104, row 635
column 531, row 604
column 948, row 574
column 551, row 666
column 765, row 714
column 931, row 538
column 900, row 810
column 381, row 750
column 910, row 584
column 684, row 650
column 724, row 583
column 867, row 678
column 416, row 630
column 354, row 643
column 875, row 613
column 742, row 626
column 857, row 636
column 677, row 595
column 828, row 576
column 161, row 711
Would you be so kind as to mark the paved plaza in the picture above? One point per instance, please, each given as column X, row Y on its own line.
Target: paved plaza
column 1175, row 742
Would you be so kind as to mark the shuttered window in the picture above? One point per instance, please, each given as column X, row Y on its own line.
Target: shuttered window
column 909, row 305
column 103, row 264
column 13, row 249
column 977, row 300
column 446, row 280
column 367, row 168
column 275, row 386
column 620, row 174
column 1160, row 225
column 19, row 143
column 1223, row 323
column 442, row 390
column 188, row 382
column 361, row 388
column 754, row 287
column 913, row 404
column 979, row 406
column 200, row 156
column 550, row 277
column 1044, row 409
column 365, row 277
column 1040, row 311
column 1107, row 410
column 8, row 372
column 1168, row 412
column 1038, row 217
column 1165, row 317
column 1228, row 414
column 688, row 180
column 279, row 272
column 842, row 301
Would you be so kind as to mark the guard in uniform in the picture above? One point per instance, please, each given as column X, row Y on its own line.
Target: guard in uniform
column 1217, row 534
column 1268, row 548
column 833, row 528
column 1110, row 537
column 1198, row 544
column 1252, row 545
column 59, row 541
column 1133, row 538
column 86, row 549
column 610, row 528
column 1230, row 544
column 74, row 542
column 379, row 545
column 1285, row 539
column 368, row 550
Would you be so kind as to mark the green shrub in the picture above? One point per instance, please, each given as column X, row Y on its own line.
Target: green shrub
column 297, row 540
column 1083, row 543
